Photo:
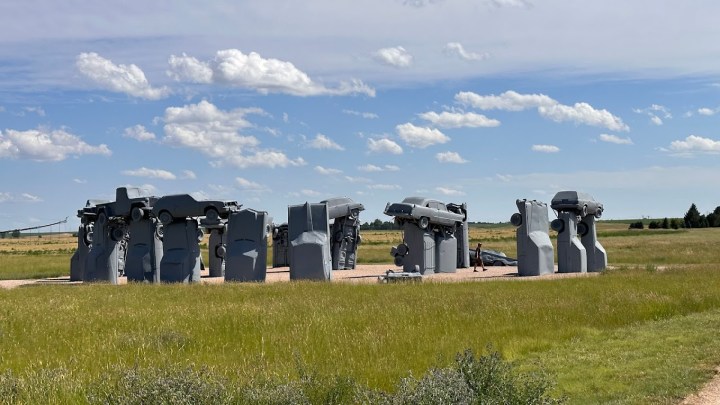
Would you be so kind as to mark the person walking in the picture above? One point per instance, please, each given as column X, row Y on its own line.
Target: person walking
column 478, row 258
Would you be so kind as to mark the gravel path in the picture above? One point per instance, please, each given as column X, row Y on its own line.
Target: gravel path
column 708, row 395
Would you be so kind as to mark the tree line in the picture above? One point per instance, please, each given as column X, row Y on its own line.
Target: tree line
column 692, row 219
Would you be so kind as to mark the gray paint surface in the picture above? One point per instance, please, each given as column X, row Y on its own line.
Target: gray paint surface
column 535, row 251
column 570, row 251
column 281, row 246
column 144, row 251
column 102, row 262
column 216, row 250
column 345, row 232
column 596, row 255
column 446, row 249
column 308, row 232
column 181, row 252
column 420, row 249
column 77, row 262
column 462, row 236
column 246, row 255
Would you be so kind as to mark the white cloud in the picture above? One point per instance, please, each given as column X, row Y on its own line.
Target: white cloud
column 327, row 171
column 150, row 173
column 139, row 133
column 189, row 175
column 655, row 119
column 384, row 187
column 323, row 142
column 395, row 56
column 615, row 139
column 458, row 120
column 128, row 79
column 80, row 181
column 449, row 157
column 252, row 71
column 391, row 168
column 654, row 112
column 581, row 113
column 384, row 145
column 248, row 185
column 456, row 49
column 357, row 179
column 449, row 191
column 37, row 110
column 309, row 193
column 369, row 168
column 21, row 198
column 216, row 133
column 511, row 3
column 707, row 111
column 45, row 145
column 508, row 101
column 420, row 137
column 367, row 115
column 695, row 144
column 545, row 148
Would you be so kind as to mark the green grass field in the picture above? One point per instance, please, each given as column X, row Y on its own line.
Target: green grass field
column 644, row 332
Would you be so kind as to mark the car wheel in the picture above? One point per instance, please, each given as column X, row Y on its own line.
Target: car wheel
column 557, row 225
column 220, row 251
column 159, row 231
column 598, row 213
column 137, row 214
column 88, row 238
column 358, row 240
column 212, row 215
column 582, row 229
column 498, row 263
column 117, row 234
column 398, row 261
column 584, row 211
column 516, row 219
column 354, row 213
column 402, row 249
column 165, row 218
column 424, row 222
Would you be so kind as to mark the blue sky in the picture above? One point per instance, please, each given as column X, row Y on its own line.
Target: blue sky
column 273, row 103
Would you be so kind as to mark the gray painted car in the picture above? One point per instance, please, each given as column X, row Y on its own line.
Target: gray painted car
column 423, row 211
column 581, row 203
column 342, row 207
column 184, row 205
column 493, row 258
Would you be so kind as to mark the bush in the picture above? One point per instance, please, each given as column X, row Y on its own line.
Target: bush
column 636, row 225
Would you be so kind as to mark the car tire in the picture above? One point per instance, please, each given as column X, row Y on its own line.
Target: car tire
column 516, row 219
column 220, row 251
column 582, row 229
column 165, row 218
column 498, row 263
column 423, row 222
column 557, row 225
column 598, row 213
column 137, row 213
column 159, row 231
column 212, row 215
column 584, row 211
column 117, row 234
column 398, row 261
column 403, row 249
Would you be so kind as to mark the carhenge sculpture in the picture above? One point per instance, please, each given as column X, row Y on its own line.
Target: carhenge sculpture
column 281, row 248
column 576, row 217
column 106, row 257
column 87, row 216
column 429, row 229
column 246, row 245
column 308, row 233
column 534, row 249
column 181, row 251
column 345, row 231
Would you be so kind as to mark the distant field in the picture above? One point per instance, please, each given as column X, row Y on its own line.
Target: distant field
column 643, row 332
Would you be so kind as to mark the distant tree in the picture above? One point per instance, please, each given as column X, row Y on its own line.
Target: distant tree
column 665, row 223
column 674, row 223
column 15, row 234
column 713, row 218
column 636, row 225
column 693, row 219
column 653, row 225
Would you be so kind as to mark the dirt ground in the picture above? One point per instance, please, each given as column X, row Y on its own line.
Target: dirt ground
column 364, row 273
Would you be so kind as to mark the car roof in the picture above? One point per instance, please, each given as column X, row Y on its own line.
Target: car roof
column 420, row 200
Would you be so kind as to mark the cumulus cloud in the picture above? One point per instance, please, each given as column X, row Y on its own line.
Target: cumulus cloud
column 327, row 171
column 545, row 148
column 456, row 49
column 323, row 142
column 352, row 179
column 216, row 133
column 384, row 145
column 707, row 111
column 139, row 133
column 369, row 168
column 80, row 181
column 449, row 191
column 247, row 185
column 420, row 137
column 368, row 115
column 252, row 71
column 395, row 56
column 189, row 175
column 654, row 112
column 46, row 145
column 615, row 139
column 580, row 113
column 391, row 168
column 310, row 193
column 37, row 110
column 450, row 157
column 695, row 144
column 150, row 173
column 128, row 79
column 459, row 119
